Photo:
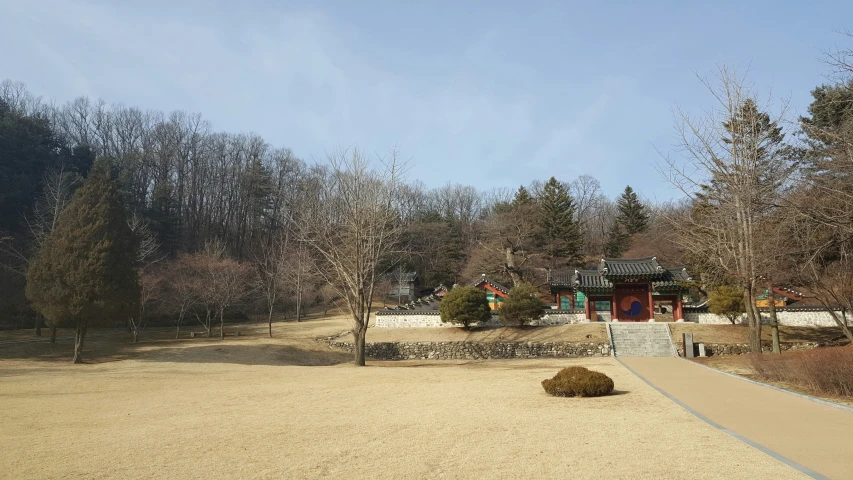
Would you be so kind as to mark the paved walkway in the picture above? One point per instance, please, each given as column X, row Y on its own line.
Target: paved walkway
column 816, row 436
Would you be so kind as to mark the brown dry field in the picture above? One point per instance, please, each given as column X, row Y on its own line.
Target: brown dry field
column 740, row 365
column 289, row 407
column 740, row 333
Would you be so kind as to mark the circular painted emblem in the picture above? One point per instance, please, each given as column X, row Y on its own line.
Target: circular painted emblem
column 631, row 306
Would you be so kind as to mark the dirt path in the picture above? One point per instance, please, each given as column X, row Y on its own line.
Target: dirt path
column 818, row 437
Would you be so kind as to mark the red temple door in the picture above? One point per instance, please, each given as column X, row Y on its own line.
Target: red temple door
column 632, row 305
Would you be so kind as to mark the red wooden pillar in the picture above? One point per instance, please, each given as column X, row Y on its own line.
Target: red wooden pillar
column 572, row 301
column 586, row 309
column 614, row 310
column 559, row 301
column 651, row 305
column 678, row 313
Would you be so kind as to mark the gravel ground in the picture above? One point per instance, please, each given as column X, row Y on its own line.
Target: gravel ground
column 288, row 407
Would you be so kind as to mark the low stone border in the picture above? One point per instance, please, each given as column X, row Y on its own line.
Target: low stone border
column 476, row 350
column 723, row 349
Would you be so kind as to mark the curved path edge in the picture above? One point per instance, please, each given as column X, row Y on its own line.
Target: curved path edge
column 787, row 461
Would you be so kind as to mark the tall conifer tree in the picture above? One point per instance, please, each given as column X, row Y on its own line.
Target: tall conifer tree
column 560, row 235
column 85, row 273
column 632, row 214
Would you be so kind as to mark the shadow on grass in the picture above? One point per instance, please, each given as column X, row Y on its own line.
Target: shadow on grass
column 807, row 334
column 264, row 354
column 539, row 334
column 114, row 348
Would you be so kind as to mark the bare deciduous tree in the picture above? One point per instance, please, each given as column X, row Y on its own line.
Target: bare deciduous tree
column 349, row 223
column 733, row 167
column 150, row 278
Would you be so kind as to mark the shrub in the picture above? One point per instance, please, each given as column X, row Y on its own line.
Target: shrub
column 578, row 382
column 827, row 370
column 522, row 306
column 465, row 305
column 726, row 300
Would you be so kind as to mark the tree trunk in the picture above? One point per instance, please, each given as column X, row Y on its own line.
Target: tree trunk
column 842, row 322
column 135, row 330
column 78, row 341
column 53, row 334
column 178, row 330
column 38, row 326
column 359, row 336
column 754, row 331
column 269, row 320
column 845, row 327
column 510, row 267
column 774, row 321
column 758, row 322
column 222, row 323
column 298, row 304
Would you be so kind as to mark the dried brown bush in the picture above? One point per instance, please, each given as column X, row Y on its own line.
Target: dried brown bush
column 578, row 382
column 827, row 370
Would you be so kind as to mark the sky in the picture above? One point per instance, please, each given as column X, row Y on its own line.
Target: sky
column 491, row 94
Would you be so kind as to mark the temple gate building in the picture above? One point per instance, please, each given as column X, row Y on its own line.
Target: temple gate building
column 627, row 287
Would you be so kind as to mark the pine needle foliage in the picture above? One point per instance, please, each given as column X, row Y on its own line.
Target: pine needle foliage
column 522, row 306
column 465, row 305
column 86, row 273
column 560, row 234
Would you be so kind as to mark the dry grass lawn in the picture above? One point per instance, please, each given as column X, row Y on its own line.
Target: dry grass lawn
column 741, row 365
column 288, row 407
column 740, row 333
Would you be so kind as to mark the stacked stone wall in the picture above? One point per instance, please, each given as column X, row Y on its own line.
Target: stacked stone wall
column 476, row 350
column 723, row 349
column 415, row 319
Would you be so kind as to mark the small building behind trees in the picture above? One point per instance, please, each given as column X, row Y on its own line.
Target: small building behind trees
column 495, row 292
column 402, row 286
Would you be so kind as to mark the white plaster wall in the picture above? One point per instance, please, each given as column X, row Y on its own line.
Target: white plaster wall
column 433, row 320
column 787, row 318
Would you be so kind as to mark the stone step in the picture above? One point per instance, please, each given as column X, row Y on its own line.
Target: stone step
column 640, row 339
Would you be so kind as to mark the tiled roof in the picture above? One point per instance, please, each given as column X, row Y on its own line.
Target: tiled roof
column 561, row 279
column 596, row 280
column 646, row 267
column 589, row 280
column 671, row 278
column 497, row 286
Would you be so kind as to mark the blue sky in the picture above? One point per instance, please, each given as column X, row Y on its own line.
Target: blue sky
column 493, row 94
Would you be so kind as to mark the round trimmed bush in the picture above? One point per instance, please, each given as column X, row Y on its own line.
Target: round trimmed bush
column 465, row 305
column 522, row 306
column 578, row 382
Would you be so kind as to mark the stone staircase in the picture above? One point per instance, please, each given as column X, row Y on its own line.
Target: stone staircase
column 640, row 339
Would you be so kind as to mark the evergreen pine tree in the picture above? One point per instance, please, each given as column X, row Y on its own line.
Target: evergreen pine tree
column 522, row 197
column 85, row 273
column 560, row 235
column 632, row 213
column 618, row 241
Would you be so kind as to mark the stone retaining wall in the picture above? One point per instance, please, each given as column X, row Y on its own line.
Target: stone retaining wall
column 476, row 350
column 415, row 319
column 722, row 349
column 790, row 317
